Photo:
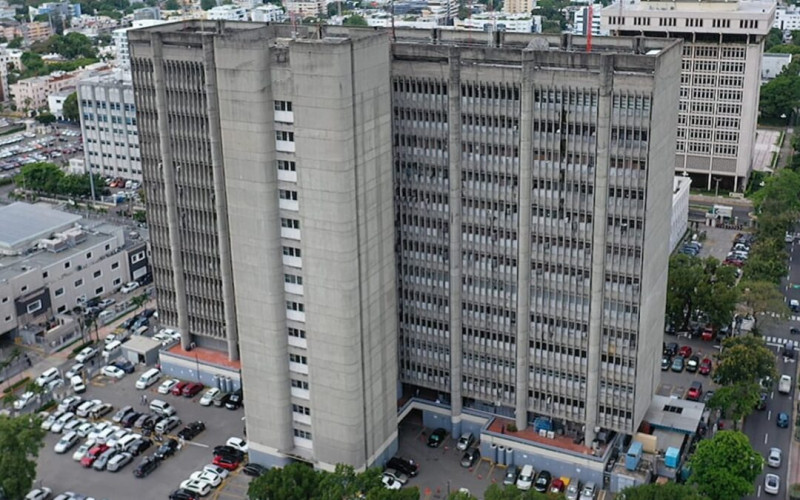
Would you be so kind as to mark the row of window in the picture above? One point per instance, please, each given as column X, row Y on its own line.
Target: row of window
column 111, row 105
column 129, row 120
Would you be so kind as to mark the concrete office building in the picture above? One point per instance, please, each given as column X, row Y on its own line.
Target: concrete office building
column 720, row 81
column 267, row 163
column 108, row 126
column 521, row 292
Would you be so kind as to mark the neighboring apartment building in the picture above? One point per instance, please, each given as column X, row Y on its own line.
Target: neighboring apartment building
column 787, row 18
column 227, row 13
column 55, row 102
column 31, row 93
column 64, row 10
column 720, row 82
column 491, row 21
column 680, row 210
column 304, row 8
column 51, row 261
column 518, row 6
column 120, row 39
column 268, row 13
column 579, row 24
column 8, row 58
column 108, row 126
column 36, row 31
column 526, row 225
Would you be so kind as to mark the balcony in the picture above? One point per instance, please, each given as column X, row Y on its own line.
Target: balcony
column 284, row 146
column 284, row 116
column 292, row 261
column 290, row 233
column 287, row 175
column 291, row 205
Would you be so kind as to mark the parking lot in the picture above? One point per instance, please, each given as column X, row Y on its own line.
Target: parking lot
column 61, row 473
column 24, row 148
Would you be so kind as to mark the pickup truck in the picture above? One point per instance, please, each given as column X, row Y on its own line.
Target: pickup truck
column 785, row 384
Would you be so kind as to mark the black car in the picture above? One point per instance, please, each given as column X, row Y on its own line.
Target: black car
column 148, row 465
column 140, row 445
column 167, row 449
column 542, row 481
column 671, row 349
column 235, row 400
column 407, row 467
column 254, row 470
column 150, row 425
column 666, row 362
column 437, row 437
column 469, row 457
column 143, row 421
column 130, row 419
column 228, row 451
column 128, row 323
column 182, row 494
column 794, row 330
column 147, row 313
column 124, row 365
column 192, row 430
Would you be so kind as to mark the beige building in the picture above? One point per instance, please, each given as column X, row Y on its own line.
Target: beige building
column 518, row 6
column 303, row 8
column 32, row 93
column 720, row 79
column 36, row 31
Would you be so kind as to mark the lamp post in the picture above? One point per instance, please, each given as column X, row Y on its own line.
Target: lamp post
column 716, row 190
column 192, row 347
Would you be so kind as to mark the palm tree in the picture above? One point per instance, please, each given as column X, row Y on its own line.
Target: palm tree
column 15, row 353
column 140, row 300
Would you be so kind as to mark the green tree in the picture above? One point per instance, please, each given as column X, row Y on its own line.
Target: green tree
column 139, row 301
column 552, row 11
column 701, row 285
column 775, row 37
column 461, row 495
column 20, row 439
column 45, row 118
column 737, row 400
column 208, row 4
column 725, row 466
column 31, row 61
column 70, row 109
column 172, row 5
column 355, row 20
column 296, row 481
column 668, row 491
column 761, row 297
column 744, row 359
column 40, row 177
column 781, row 95
column 497, row 492
column 16, row 43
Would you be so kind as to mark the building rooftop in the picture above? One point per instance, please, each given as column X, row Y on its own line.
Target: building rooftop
column 674, row 414
column 22, row 224
column 690, row 6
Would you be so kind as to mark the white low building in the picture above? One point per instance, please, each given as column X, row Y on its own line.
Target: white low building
column 772, row 65
column 269, row 13
column 55, row 102
column 787, row 18
column 494, row 21
column 227, row 13
column 680, row 210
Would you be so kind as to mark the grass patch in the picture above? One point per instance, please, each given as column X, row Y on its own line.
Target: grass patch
column 47, row 406
column 13, row 130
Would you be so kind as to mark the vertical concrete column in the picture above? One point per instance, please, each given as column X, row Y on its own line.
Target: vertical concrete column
column 170, row 195
column 454, row 155
column 598, row 271
column 220, row 198
column 524, row 248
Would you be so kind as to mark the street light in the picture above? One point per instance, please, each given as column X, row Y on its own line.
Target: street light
column 716, row 180
column 192, row 347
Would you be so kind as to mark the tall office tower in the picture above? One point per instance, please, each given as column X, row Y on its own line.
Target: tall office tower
column 720, row 81
column 533, row 225
column 268, row 172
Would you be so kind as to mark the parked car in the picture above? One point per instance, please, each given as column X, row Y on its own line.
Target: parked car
column 396, row 475
column 47, row 376
column 666, row 362
column 235, row 400
column 26, row 399
column 106, row 303
column 254, row 470
column 191, row 390
column 112, row 371
column 168, row 385
column 76, row 369
column 511, row 475
column 469, row 457
column 542, row 481
column 237, row 444
column 86, row 354
column 92, row 455
column 148, row 465
column 671, row 349
column 228, row 451
column 83, row 450
column 589, row 491
column 86, row 407
column 685, row 351
column 437, row 437
column 695, row 391
column 465, row 441
column 705, row 366
column 119, row 461
column 168, row 424
column 124, row 364
column 677, row 364
column 390, row 483
column 42, row 493
column 191, row 430
column 139, row 446
column 226, row 462
column 177, row 389
column 209, row 396
column 167, row 449
column 692, row 364
column 51, row 419
column 130, row 419
column 66, row 442
column 406, row 466
column 69, row 403
column 121, row 413
column 129, row 287
column 181, row 494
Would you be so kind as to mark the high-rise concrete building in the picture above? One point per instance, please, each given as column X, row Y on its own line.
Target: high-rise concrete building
column 373, row 221
column 720, row 80
column 108, row 126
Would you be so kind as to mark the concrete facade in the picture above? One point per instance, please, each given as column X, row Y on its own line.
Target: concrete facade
column 720, row 79
column 108, row 126
column 680, row 210
column 525, row 224
column 313, row 308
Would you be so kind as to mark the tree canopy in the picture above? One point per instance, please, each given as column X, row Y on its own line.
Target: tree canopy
column 781, row 95
column 725, row 466
column 298, row 481
column 744, row 359
column 774, row 38
column 73, row 45
column 355, row 20
column 70, row 109
column 208, row 4
column 700, row 285
column 45, row 118
column 47, row 178
column 20, row 439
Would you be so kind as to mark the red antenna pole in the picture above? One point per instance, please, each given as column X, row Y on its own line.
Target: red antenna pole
column 589, row 25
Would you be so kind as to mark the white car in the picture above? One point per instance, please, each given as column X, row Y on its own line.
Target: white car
column 129, row 287
column 67, row 403
column 119, row 461
column 390, row 483
column 55, row 384
column 85, row 409
column 47, row 376
column 209, row 477
column 216, row 469
column 105, row 303
column 774, row 457
column 98, row 428
column 83, row 450
column 59, row 424
column 73, row 425
column 50, row 420
column 202, row 488
column 85, row 429
column 77, row 384
column 112, row 371
column 76, row 369
column 24, row 400
column 66, row 442
column 209, row 396
column 238, row 443
column 39, row 494
column 106, row 434
column 117, row 437
column 772, row 484
column 86, row 354
column 167, row 385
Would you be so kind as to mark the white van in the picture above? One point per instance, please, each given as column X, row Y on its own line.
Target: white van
column 148, row 378
column 525, row 479
column 161, row 408
column 112, row 348
column 106, row 316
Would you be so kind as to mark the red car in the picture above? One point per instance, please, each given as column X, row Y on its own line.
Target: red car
column 695, row 391
column 192, row 389
column 705, row 366
column 708, row 333
column 227, row 463
column 685, row 351
column 92, row 455
column 178, row 389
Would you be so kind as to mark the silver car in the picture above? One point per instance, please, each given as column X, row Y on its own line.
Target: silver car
column 102, row 460
column 589, row 491
column 119, row 461
column 511, row 475
column 572, row 490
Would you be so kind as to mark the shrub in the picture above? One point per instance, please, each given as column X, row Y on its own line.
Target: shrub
column 16, row 385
